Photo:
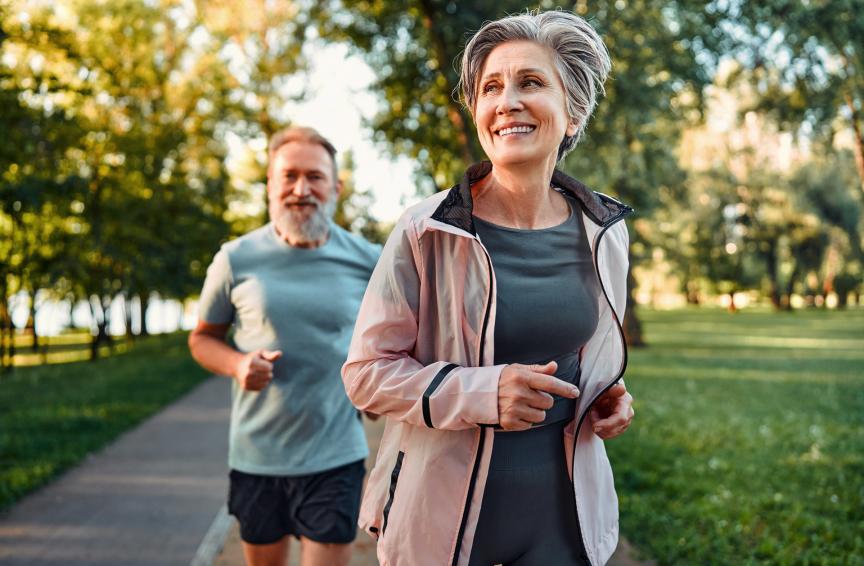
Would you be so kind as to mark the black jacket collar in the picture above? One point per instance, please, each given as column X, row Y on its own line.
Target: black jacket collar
column 457, row 207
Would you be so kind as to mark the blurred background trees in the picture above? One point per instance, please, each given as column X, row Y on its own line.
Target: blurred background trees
column 133, row 139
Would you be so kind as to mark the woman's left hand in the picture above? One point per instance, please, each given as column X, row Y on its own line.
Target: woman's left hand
column 612, row 413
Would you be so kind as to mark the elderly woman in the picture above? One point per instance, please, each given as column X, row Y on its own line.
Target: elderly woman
column 490, row 332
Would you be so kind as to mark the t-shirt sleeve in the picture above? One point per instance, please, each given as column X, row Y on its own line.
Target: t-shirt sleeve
column 215, row 304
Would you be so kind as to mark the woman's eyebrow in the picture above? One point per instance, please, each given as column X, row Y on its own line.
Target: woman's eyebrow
column 520, row 72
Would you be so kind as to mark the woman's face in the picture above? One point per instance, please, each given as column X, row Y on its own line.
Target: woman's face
column 521, row 112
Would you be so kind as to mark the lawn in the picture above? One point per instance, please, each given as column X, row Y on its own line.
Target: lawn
column 748, row 441
column 52, row 416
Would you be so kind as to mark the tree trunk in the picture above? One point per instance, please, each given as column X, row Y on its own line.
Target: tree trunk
column 691, row 290
column 106, row 318
column 770, row 257
column 4, row 333
column 127, row 312
column 454, row 110
column 858, row 150
column 30, row 327
column 842, row 300
column 790, row 288
column 733, row 308
column 144, row 301
column 100, row 319
column 10, row 333
column 632, row 325
column 94, row 337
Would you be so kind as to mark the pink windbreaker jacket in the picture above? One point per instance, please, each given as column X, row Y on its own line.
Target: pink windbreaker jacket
column 422, row 355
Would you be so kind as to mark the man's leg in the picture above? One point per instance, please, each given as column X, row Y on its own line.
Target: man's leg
column 274, row 554
column 257, row 503
column 327, row 517
column 324, row 554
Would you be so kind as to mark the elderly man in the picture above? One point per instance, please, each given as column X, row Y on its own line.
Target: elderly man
column 291, row 289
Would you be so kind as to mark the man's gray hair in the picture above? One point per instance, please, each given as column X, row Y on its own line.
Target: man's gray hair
column 579, row 53
column 302, row 134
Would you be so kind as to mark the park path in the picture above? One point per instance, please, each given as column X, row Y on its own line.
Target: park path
column 149, row 498
column 156, row 496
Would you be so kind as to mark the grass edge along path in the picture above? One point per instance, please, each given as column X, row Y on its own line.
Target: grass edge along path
column 52, row 416
column 748, row 441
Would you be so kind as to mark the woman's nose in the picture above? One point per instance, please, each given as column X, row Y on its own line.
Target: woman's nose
column 510, row 100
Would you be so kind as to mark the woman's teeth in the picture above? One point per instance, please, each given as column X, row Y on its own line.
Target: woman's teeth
column 516, row 130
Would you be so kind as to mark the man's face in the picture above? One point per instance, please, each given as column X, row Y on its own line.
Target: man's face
column 302, row 192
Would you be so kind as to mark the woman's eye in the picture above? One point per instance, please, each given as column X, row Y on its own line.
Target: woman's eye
column 491, row 87
column 531, row 83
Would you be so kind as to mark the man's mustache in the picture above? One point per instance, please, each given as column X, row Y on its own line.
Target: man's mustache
column 301, row 202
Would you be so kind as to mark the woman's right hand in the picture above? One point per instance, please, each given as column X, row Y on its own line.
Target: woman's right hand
column 525, row 394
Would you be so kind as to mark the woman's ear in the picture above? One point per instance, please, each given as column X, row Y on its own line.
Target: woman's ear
column 572, row 127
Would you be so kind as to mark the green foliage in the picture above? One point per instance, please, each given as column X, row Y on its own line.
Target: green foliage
column 747, row 447
column 415, row 48
column 52, row 416
column 806, row 61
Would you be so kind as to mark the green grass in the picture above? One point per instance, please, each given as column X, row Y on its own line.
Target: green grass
column 748, row 441
column 52, row 416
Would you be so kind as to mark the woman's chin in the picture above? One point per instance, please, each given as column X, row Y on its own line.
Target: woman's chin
column 523, row 158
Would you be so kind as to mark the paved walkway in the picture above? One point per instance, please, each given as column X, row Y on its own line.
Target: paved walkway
column 155, row 496
column 147, row 499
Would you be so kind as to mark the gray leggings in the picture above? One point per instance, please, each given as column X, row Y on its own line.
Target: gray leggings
column 528, row 517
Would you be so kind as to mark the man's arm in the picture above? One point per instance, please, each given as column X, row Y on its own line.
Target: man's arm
column 253, row 371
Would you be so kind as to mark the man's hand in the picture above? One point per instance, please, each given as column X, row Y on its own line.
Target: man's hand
column 612, row 413
column 255, row 369
column 524, row 394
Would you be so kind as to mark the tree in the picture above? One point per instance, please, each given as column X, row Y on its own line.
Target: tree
column 656, row 87
column 149, row 103
column 807, row 62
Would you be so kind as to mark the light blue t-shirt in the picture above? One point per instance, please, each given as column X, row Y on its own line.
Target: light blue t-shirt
column 303, row 302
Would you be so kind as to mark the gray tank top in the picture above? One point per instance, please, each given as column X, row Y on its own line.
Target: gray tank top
column 547, row 297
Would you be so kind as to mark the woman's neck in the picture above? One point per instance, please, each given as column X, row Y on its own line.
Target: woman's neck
column 520, row 197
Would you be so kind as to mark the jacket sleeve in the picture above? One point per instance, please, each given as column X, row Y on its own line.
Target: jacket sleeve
column 381, row 374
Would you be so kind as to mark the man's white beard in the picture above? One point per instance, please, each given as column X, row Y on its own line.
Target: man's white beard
column 300, row 227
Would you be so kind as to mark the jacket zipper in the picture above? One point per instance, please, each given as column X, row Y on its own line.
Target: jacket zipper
column 614, row 317
column 476, row 466
column 605, row 388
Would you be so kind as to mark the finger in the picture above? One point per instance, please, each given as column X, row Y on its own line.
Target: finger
column 553, row 385
column 260, row 373
column 271, row 355
column 539, row 400
column 530, row 415
column 549, row 368
column 613, row 392
column 515, row 424
column 617, row 420
column 260, row 365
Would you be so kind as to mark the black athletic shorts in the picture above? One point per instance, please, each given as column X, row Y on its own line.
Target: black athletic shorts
column 322, row 507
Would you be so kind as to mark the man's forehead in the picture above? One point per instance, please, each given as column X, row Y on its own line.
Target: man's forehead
column 302, row 155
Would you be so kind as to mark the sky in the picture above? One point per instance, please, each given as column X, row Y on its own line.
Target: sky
column 338, row 100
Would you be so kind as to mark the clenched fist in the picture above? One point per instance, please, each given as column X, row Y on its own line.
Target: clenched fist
column 612, row 413
column 255, row 370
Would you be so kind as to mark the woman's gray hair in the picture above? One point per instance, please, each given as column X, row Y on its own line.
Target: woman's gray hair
column 579, row 53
